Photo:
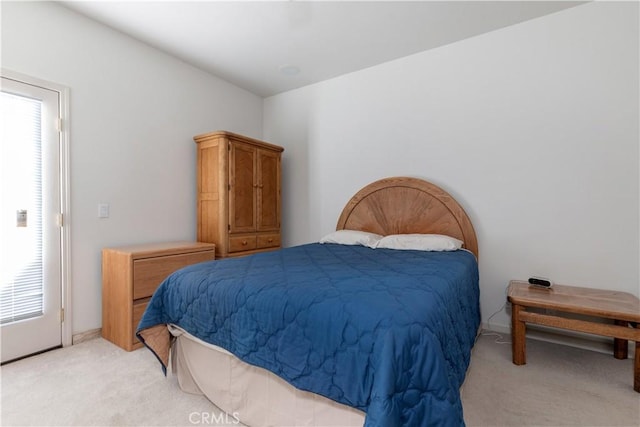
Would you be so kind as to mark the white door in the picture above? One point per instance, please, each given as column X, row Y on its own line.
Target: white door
column 30, row 233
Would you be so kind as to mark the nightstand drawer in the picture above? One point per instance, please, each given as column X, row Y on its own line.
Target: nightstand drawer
column 138, row 311
column 131, row 274
column 149, row 273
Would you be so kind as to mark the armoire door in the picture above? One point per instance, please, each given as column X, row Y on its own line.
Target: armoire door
column 242, row 188
column 268, row 195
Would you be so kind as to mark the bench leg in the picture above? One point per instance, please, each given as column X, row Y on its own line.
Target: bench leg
column 620, row 346
column 518, row 332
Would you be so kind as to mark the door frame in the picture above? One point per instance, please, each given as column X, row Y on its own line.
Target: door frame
column 65, row 193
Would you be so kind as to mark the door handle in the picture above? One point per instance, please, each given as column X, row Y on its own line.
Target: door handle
column 21, row 218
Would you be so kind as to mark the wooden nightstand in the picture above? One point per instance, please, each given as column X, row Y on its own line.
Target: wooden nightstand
column 620, row 307
column 131, row 274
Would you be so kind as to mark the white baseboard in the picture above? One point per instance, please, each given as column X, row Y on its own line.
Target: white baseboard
column 86, row 336
column 561, row 336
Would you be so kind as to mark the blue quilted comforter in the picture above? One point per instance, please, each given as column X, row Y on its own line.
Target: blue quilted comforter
column 388, row 332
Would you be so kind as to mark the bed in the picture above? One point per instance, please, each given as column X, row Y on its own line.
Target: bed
column 331, row 334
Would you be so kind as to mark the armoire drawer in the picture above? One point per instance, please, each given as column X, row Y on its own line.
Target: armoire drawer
column 269, row 241
column 242, row 243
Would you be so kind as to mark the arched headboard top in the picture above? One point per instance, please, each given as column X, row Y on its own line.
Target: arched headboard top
column 403, row 205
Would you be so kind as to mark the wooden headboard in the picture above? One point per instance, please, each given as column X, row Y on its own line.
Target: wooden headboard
column 403, row 205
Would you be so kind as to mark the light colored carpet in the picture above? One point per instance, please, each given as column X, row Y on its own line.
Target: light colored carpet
column 97, row 384
column 559, row 386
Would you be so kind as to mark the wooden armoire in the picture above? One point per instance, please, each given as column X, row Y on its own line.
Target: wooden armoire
column 238, row 193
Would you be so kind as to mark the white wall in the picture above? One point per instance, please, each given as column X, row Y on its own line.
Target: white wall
column 533, row 128
column 544, row 113
column 134, row 111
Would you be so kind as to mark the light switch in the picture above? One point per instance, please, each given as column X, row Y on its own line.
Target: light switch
column 103, row 210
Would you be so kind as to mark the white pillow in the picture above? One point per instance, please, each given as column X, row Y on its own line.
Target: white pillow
column 352, row 237
column 419, row 242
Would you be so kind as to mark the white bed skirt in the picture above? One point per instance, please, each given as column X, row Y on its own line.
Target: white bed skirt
column 252, row 395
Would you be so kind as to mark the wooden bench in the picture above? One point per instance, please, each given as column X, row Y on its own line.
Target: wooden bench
column 621, row 307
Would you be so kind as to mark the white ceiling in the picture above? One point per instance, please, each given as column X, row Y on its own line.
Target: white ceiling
column 248, row 43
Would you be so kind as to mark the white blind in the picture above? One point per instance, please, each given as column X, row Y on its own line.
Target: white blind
column 21, row 266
